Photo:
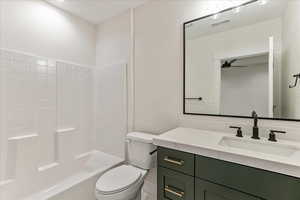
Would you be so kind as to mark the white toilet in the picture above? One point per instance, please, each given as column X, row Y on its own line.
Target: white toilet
column 125, row 182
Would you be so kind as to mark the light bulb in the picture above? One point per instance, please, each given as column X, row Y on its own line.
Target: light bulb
column 237, row 9
column 216, row 16
column 263, row 2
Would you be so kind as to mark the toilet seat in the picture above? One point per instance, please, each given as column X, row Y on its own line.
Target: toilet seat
column 118, row 179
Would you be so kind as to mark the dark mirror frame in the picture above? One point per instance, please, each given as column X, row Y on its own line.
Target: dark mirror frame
column 184, row 69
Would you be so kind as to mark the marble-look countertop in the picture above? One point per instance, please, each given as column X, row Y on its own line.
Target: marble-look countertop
column 207, row 143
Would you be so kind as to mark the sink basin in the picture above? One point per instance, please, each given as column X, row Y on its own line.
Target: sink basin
column 259, row 146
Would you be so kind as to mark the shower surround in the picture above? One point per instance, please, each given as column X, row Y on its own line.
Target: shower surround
column 47, row 113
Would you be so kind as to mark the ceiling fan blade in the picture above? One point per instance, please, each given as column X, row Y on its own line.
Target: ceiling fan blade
column 232, row 61
column 225, row 66
column 239, row 66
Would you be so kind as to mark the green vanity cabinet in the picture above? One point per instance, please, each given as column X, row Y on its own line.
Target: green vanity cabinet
column 176, row 160
column 265, row 184
column 205, row 190
column 185, row 176
column 173, row 185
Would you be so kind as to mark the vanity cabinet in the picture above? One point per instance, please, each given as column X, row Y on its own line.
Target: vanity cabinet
column 186, row 176
column 205, row 190
column 174, row 185
column 177, row 160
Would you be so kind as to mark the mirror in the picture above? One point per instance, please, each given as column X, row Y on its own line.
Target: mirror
column 242, row 59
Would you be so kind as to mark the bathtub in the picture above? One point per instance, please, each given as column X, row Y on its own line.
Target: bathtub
column 81, row 185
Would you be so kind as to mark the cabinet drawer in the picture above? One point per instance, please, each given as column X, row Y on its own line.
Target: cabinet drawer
column 176, row 160
column 208, row 191
column 173, row 185
column 265, row 184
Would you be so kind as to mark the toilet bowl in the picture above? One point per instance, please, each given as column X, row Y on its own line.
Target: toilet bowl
column 125, row 182
column 120, row 183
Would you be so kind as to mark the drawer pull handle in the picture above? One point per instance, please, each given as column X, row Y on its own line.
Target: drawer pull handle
column 176, row 162
column 179, row 194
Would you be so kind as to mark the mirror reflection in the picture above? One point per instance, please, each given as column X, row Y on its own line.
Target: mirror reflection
column 244, row 59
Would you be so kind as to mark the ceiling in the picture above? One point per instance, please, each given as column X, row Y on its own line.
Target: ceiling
column 96, row 11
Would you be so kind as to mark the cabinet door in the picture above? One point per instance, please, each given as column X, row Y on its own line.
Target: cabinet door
column 208, row 191
column 173, row 185
column 261, row 183
column 176, row 160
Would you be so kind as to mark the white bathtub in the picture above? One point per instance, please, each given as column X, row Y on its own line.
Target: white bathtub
column 81, row 185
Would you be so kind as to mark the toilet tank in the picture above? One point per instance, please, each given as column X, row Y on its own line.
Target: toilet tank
column 139, row 146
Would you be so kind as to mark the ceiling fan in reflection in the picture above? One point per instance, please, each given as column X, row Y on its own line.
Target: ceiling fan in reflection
column 229, row 64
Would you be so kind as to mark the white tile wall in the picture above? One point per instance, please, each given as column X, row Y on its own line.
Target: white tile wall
column 75, row 102
column 46, row 121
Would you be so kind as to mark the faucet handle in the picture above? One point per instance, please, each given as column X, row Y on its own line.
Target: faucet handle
column 239, row 132
column 272, row 135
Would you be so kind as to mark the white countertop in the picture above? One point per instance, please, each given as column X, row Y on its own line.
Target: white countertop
column 206, row 143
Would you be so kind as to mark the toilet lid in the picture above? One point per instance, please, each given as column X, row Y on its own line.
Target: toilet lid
column 118, row 179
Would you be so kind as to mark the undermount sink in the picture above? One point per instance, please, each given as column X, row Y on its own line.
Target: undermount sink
column 259, row 146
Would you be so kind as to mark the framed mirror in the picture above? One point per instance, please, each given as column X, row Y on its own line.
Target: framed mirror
column 242, row 59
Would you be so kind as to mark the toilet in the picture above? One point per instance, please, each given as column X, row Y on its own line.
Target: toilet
column 125, row 182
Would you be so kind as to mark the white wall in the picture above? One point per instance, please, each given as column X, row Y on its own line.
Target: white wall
column 158, row 60
column 36, row 27
column 244, row 90
column 45, row 103
column 207, row 50
column 111, row 109
column 113, row 49
column 291, row 51
column 113, row 40
column 202, row 77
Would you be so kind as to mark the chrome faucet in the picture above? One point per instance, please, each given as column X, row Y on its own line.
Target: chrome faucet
column 255, row 134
